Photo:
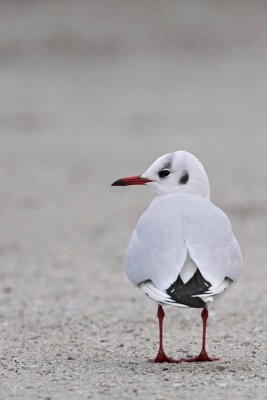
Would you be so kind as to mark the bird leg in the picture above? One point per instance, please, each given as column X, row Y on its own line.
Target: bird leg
column 161, row 356
column 203, row 355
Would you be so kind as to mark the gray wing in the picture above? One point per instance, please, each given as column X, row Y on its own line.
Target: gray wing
column 179, row 234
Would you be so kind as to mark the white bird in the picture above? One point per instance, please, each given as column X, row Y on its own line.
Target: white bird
column 183, row 252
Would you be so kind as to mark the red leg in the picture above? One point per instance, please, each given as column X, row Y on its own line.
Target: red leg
column 161, row 356
column 203, row 355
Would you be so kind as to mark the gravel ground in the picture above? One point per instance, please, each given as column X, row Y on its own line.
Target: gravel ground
column 92, row 91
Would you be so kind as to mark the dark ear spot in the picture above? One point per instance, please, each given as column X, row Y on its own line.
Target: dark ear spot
column 184, row 178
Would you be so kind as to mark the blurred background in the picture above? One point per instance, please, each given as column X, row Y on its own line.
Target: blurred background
column 92, row 91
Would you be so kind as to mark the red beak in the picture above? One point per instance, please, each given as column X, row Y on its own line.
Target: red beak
column 131, row 180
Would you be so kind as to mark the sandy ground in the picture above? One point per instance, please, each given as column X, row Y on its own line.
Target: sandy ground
column 92, row 91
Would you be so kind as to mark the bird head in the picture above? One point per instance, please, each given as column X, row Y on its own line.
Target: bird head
column 179, row 171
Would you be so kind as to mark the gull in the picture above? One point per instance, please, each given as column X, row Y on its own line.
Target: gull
column 183, row 252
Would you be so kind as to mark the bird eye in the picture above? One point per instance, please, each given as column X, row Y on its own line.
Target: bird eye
column 164, row 172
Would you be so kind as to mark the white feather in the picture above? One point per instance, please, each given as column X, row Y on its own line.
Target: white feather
column 174, row 226
column 158, row 295
column 188, row 270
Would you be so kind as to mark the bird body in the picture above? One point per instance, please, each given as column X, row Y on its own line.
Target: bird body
column 183, row 251
column 178, row 235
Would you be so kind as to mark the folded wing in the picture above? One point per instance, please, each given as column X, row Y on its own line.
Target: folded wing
column 183, row 251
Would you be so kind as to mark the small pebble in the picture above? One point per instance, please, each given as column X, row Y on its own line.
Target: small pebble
column 220, row 368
